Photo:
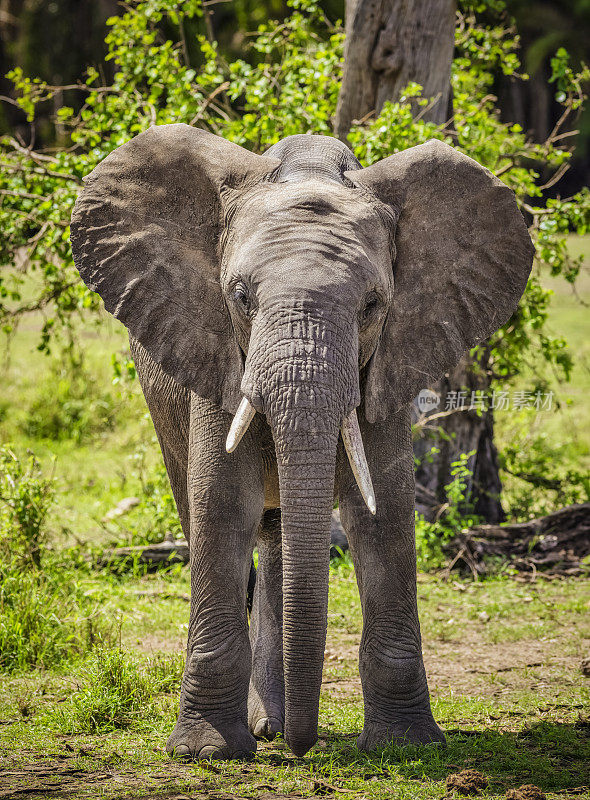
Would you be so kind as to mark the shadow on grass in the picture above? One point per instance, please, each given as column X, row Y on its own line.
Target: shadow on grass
column 553, row 756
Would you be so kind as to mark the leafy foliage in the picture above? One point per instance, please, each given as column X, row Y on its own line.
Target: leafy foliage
column 291, row 87
column 45, row 619
column 544, row 479
column 25, row 498
column 454, row 515
column 69, row 405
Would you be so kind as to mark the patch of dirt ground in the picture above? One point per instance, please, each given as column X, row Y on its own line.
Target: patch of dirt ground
column 474, row 666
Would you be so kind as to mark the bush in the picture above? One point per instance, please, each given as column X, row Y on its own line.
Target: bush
column 45, row 619
column 25, row 499
column 69, row 405
column 539, row 477
column 117, row 691
column 454, row 515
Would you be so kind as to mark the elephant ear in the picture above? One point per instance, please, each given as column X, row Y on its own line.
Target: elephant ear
column 145, row 235
column 463, row 259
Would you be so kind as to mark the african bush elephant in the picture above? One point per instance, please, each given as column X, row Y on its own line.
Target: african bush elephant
column 283, row 311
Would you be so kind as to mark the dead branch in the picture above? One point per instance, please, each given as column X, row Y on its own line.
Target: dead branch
column 555, row 545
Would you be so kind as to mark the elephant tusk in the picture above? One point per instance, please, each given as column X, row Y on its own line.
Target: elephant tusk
column 239, row 426
column 351, row 436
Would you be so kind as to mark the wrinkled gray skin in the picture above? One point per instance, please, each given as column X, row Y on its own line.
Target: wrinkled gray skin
column 312, row 287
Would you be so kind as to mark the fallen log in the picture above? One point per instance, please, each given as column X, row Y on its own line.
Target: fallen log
column 175, row 551
column 556, row 544
column 170, row 551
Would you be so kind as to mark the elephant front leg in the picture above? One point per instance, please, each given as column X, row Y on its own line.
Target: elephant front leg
column 395, row 690
column 226, row 498
column 266, row 699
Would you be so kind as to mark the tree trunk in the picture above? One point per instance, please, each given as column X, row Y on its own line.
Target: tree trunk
column 390, row 43
column 466, row 430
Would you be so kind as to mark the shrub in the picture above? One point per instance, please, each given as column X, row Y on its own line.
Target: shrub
column 539, row 477
column 25, row 498
column 69, row 405
column 454, row 515
column 117, row 691
column 45, row 619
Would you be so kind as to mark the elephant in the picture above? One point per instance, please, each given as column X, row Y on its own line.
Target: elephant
column 284, row 309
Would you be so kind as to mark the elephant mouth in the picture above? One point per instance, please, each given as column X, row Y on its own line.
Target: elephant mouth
column 351, row 438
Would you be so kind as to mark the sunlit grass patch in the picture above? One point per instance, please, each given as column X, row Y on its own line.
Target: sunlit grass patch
column 45, row 622
column 117, row 690
column 530, row 735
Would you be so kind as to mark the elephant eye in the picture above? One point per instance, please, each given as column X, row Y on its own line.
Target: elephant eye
column 371, row 305
column 240, row 296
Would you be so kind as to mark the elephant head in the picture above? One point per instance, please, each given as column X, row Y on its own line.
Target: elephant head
column 298, row 285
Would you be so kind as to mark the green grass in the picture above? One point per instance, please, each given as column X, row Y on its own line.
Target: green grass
column 100, row 728
column 97, row 470
column 45, row 620
column 117, row 691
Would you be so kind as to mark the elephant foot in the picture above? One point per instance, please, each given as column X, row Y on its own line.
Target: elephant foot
column 266, row 718
column 198, row 740
column 266, row 727
column 401, row 731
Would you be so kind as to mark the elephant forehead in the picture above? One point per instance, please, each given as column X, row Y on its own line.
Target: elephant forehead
column 306, row 202
column 312, row 201
column 309, row 220
column 287, row 257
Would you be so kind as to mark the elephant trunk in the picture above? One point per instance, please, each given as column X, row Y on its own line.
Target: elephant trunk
column 305, row 380
column 306, row 481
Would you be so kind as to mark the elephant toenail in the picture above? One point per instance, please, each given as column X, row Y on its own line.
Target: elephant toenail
column 267, row 728
column 209, row 752
column 181, row 751
column 261, row 727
